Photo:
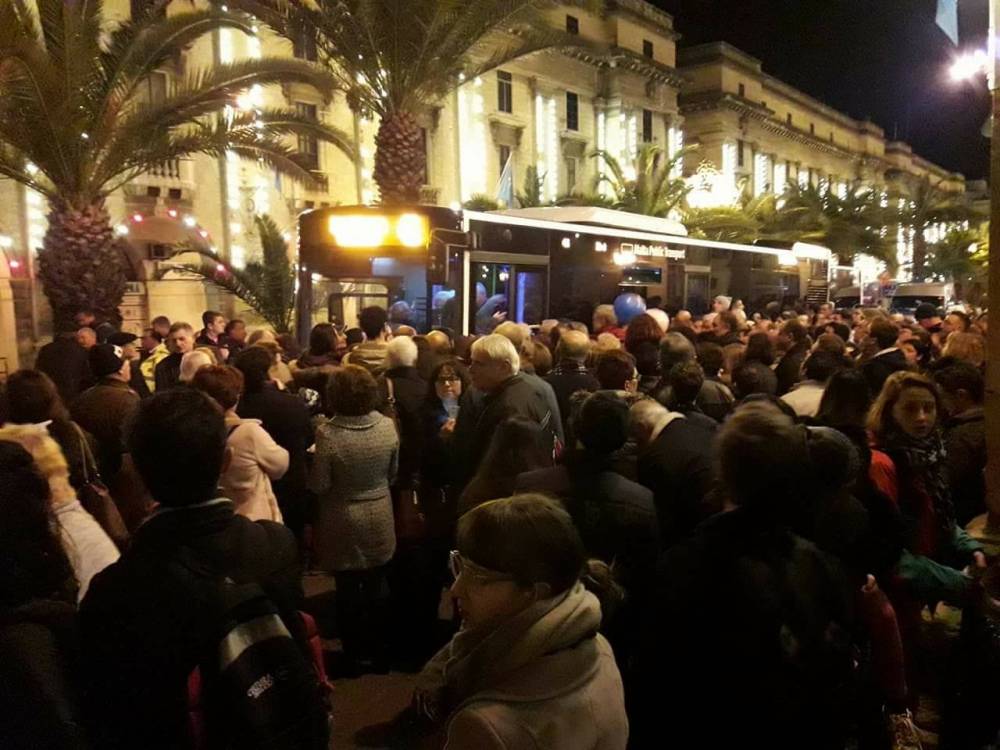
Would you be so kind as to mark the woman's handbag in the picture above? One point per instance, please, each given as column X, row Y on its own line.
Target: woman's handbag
column 96, row 500
column 410, row 521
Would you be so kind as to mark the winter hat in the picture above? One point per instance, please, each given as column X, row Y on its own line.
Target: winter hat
column 602, row 426
column 106, row 359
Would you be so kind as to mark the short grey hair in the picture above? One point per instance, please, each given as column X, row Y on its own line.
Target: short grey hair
column 515, row 332
column 646, row 418
column 191, row 363
column 574, row 346
column 499, row 349
column 675, row 349
column 401, row 352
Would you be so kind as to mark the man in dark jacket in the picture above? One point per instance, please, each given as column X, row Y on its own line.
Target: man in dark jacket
column 106, row 408
column 500, row 391
column 286, row 419
column 746, row 607
column 789, row 370
column 180, row 341
column 66, row 363
column 889, row 358
column 570, row 375
column 675, row 462
column 409, row 393
column 519, row 335
column 152, row 617
column 714, row 399
column 962, row 390
column 686, row 381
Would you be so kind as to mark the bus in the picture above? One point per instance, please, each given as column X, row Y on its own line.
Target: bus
column 465, row 270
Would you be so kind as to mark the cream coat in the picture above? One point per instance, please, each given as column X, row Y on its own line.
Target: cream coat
column 256, row 459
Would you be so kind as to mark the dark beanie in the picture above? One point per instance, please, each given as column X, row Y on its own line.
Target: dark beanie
column 924, row 311
column 105, row 359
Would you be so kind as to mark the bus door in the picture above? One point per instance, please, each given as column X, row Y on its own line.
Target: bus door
column 507, row 286
column 347, row 298
column 698, row 289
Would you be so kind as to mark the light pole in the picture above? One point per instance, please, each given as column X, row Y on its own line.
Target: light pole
column 964, row 68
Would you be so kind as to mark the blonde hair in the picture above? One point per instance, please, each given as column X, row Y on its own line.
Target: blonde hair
column 880, row 416
column 970, row 347
column 48, row 456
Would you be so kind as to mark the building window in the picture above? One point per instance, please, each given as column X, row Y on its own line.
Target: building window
column 153, row 90
column 647, row 126
column 831, row 136
column 740, row 145
column 647, row 49
column 306, row 145
column 570, row 174
column 812, row 128
column 304, row 43
column 424, row 145
column 572, row 25
column 572, row 111
column 789, row 118
column 742, row 90
column 505, row 92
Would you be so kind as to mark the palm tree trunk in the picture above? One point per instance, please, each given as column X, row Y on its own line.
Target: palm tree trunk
column 80, row 264
column 400, row 159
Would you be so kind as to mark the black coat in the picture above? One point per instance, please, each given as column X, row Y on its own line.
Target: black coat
column 286, row 419
column 567, row 379
column 616, row 517
column 145, row 622
column 878, row 369
column 789, row 368
column 67, row 364
column 677, row 467
column 481, row 414
column 410, row 393
column 965, row 439
column 748, row 643
column 40, row 704
column 168, row 372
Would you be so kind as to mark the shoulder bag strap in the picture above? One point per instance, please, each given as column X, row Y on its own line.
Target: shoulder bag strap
column 88, row 456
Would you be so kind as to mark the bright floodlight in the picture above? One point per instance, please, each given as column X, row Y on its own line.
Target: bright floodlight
column 411, row 230
column 359, row 231
column 969, row 65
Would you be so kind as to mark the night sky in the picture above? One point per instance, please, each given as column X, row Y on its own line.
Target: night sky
column 883, row 59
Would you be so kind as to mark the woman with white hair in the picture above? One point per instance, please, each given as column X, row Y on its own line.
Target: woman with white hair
column 192, row 362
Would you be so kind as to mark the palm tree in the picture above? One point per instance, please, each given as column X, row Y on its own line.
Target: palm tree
column 75, row 126
column 652, row 190
column 743, row 223
column 267, row 286
column 395, row 57
column 960, row 258
column 848, row 224
column 924, row 205
column 532, row 197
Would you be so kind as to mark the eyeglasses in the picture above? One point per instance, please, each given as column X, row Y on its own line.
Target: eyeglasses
column 459, row 565
column 448, row 379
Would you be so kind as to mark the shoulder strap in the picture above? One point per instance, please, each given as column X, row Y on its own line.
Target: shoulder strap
column 88, row 456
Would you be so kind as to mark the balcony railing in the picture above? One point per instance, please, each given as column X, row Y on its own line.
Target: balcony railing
column 168, row 170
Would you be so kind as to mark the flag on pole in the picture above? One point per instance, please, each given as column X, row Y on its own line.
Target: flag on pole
column 505, row 185
column 947, row 19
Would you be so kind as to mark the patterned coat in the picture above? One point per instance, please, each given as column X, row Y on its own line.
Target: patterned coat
column 355, row 462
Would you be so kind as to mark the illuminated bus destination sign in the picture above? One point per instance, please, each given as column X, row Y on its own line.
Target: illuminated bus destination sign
column 639, row 250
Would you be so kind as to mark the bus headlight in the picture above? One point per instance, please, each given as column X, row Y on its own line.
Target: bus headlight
column 411, row 230
column 359, row 230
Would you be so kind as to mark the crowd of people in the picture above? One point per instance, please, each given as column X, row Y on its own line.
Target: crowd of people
column 717, row 530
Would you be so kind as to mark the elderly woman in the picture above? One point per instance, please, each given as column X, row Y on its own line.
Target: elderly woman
column 528, row 668
column 357, row 453
column 255, row 459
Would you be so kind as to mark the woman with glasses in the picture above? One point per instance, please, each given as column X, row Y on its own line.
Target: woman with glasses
column 528, row 668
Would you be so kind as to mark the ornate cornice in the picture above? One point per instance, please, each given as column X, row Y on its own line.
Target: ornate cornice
column 619, row 58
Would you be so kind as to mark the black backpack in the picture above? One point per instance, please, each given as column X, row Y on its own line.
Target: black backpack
column 259, row 688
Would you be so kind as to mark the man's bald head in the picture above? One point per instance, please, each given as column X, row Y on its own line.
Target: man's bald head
column 574, row 346
column 439, row 342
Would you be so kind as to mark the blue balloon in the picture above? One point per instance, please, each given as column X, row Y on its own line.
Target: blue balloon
column 628, row 306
